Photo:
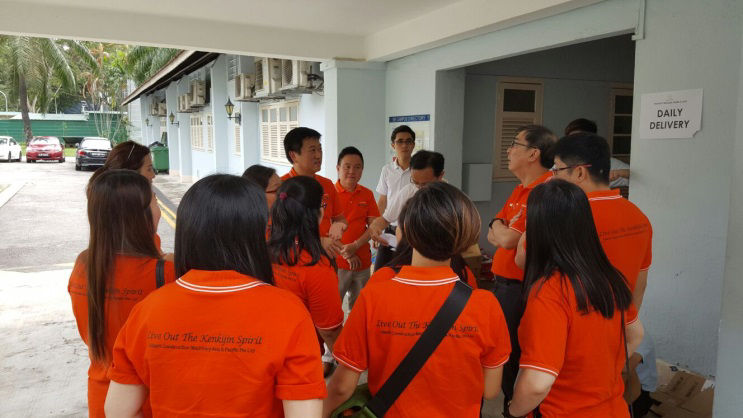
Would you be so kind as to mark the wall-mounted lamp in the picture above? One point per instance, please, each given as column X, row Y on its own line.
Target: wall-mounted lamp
column 229, row 107
column 147, row 122
column 172, row 120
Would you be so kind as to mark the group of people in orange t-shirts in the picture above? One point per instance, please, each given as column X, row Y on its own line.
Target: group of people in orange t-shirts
column 263, row 263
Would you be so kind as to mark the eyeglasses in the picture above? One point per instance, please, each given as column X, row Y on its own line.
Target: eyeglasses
column 556, row 170
column 519, row 143
column 405, row 142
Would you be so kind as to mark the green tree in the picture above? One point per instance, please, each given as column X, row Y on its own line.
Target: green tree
column 44, row 65
column 142, row 62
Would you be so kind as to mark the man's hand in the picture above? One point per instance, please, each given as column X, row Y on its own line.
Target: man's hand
column 615, row 174
column 349, row 250
column 376, row 229
column 354, row 262
column 336, row 230
column 331, row 246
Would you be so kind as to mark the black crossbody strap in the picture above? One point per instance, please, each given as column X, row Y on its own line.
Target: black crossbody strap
column 159, row 273
column 422, row 350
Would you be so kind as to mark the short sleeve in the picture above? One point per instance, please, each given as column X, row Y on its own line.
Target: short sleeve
column 631, row 316
column 352, row 348
column 382, row 185
column 122, row 369
column 648, row 259
column 543, row 331
column 324, row 302
column 498, row 347
column 301, row 377
column 617, row 164
column 518, row 221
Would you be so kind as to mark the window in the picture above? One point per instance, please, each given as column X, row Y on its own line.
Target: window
column 197, row 132
column 231, row 66
column 277, row 119
column 209, row 132
column 238, row 144
column 518, row 103
column 620, row 122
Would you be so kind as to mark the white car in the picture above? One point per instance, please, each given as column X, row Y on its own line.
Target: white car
column 9, row 149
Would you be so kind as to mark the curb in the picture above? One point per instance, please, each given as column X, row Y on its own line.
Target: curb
column 8, row 193
column 163, row 199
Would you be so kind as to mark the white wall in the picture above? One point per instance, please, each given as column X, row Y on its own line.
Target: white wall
column 174, row 149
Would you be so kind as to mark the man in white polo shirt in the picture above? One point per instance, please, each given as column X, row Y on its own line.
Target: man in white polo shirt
column 393, row 178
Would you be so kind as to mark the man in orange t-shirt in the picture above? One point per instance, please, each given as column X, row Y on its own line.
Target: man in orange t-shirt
column 359, row 209
column 388, row 319
column 625, row 232
column 304, row 151
column 219, row 343
column 529, row 159
column 132, row 279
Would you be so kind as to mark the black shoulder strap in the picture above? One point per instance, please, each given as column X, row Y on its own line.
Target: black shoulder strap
column 159, row 273
column 422, row 350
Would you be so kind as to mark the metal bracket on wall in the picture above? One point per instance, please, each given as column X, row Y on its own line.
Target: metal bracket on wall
column 640, row 28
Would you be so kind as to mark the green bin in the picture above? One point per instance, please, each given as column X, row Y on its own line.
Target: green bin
column 160, row 159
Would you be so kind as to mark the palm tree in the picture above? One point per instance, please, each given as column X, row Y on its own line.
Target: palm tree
column 41, row 61
column 144, row 61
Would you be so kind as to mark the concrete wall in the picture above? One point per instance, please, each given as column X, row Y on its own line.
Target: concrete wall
column 729, row 365
column 577, row 82
column 174, row 149
column 354, row 116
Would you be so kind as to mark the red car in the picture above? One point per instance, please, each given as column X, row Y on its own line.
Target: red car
column 45, row 148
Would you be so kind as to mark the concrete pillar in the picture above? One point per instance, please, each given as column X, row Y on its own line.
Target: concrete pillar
column 448, row 123
column 355, row 115
column 171, row 95
column 219, row 93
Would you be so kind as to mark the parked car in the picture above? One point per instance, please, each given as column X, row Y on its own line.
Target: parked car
column 9, row 149
column 45, row 148
column 92, row 152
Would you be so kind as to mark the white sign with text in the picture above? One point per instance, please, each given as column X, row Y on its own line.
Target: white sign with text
column 671, row 114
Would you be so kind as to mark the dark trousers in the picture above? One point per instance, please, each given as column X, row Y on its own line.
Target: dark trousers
column 385, row 254
column 510, row 296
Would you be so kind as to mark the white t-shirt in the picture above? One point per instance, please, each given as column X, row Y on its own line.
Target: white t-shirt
column 392, row 180
column 617, row 164
column 394, row 206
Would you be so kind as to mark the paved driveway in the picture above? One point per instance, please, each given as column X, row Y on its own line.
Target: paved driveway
column 43, row 226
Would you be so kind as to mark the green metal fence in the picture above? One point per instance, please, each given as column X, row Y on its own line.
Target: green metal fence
column 69, row 130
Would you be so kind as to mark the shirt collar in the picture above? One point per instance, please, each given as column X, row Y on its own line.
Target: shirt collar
column 604, row 194
column 220, row 281
column 340, row 189
column 426, row 276
column 539, row 180
column 396, row 166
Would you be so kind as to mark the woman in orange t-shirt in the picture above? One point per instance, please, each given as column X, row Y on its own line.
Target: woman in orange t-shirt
column 572, row 336
column 300, row 264
column 220, row 341
column 116, row 271
column 439, row 221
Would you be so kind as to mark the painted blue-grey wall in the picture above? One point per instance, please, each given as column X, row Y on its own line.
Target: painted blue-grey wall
column 577, row 82
column 729, row 365
column 174, row 149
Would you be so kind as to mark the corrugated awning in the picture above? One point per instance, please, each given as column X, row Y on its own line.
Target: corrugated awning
column 184, row 63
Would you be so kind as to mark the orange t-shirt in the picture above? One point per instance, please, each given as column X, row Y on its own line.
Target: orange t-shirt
column 357, row 207
column 332, row 204
column 514, row 211
column 585, row 352
column 624, row 231
column 389, row 317
column 387, row 273
column 133, row 279
column 219, row 343
column 316, row 286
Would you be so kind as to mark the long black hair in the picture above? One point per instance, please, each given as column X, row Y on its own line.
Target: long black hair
column 295, row 218
column 562, row 237
column 221, row 225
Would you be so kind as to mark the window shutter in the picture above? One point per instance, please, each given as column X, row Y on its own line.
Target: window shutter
column 209, row 132
column 513, row 112
column 277, row 120
column 238, row 145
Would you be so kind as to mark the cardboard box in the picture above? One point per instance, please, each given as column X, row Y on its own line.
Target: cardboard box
column 685, row 396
